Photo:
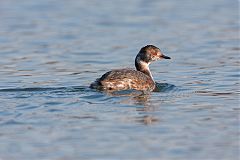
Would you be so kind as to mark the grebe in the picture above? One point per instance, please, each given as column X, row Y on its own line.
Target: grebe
column 124, row 79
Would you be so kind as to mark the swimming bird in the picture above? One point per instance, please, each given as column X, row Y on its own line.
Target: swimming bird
column 125, row 79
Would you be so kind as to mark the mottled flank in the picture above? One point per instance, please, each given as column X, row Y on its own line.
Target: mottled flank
column 124, row 79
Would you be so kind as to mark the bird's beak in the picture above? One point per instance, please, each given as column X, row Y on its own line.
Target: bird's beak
column 164, row 57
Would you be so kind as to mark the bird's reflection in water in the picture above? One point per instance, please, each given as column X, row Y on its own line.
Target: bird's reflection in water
column 147, row 120
column 133, row 97
column 140, row 99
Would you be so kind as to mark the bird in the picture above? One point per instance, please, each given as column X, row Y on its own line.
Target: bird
column 124, row 79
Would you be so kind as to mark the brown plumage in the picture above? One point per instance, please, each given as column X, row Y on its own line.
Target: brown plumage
column 124, row 79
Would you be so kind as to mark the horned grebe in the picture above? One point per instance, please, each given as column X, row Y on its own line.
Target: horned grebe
column 124, row 79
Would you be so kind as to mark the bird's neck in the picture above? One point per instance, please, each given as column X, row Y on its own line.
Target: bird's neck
column 143, row 67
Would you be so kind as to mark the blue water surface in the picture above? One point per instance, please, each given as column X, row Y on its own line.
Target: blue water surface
column 51, row 50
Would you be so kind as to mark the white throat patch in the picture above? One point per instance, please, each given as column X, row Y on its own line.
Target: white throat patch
column 142, row 63
column 144, row 66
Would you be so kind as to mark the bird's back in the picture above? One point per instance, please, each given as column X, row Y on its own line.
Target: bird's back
column 123, row 79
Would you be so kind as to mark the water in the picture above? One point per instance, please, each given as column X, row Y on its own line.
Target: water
column 52, row 50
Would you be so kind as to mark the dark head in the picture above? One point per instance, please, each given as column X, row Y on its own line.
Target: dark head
column 147, row 55
column 151, row 53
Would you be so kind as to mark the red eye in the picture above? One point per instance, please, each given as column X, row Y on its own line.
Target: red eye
column 155, row 53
